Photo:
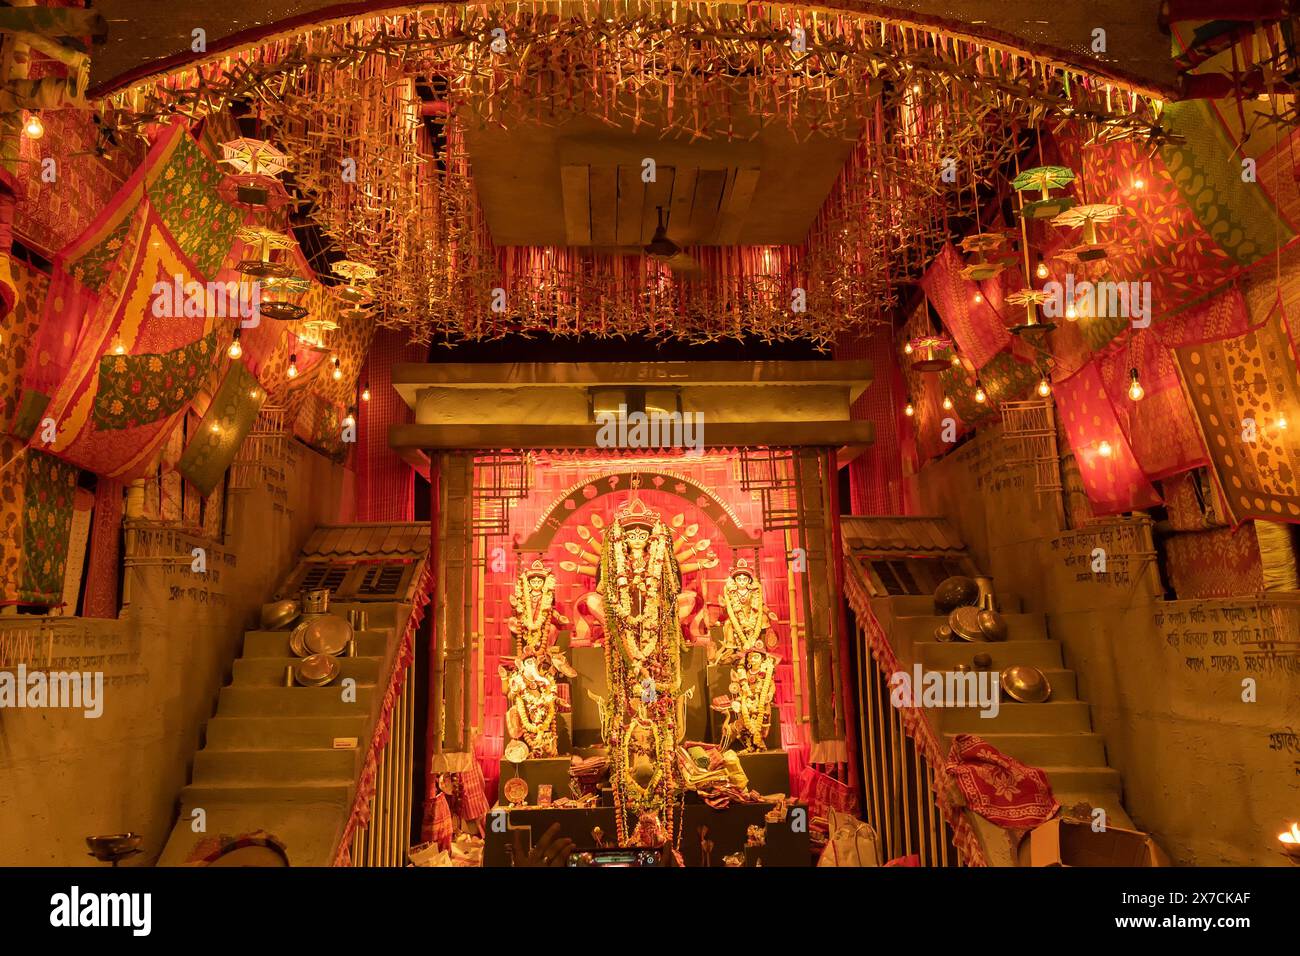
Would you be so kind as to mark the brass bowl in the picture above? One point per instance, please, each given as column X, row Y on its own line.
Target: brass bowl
column 279, row 614
column 112, row 847
column 955, row 592
column 1026, row 684
column 983, row 662
column 992, row 625
column 944, row 635
column 326, row 634
column 317, row 670
column 965, row 623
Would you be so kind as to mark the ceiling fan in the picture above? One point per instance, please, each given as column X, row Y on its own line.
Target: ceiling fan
column 663, row 249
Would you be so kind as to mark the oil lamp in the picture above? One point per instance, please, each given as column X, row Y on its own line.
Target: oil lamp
column 1290, row 841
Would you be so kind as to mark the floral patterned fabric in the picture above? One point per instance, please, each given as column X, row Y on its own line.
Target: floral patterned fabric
column 135, row 389
column 185, row 195
column 37, row 492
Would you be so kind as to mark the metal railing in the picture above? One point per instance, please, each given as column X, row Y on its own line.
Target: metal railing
column 381, row 835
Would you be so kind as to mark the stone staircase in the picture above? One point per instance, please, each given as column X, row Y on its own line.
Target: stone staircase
column 269, row 760
column 1055, row 736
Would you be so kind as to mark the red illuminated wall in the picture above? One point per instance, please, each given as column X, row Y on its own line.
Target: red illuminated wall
column 552, row 479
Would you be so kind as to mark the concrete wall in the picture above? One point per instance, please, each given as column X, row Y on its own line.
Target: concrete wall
column 1214, row 778
column 63, row 776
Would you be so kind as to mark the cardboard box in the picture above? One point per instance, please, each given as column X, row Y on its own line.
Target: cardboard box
column 1062, row 842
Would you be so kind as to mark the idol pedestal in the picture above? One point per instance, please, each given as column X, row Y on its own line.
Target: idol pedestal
column 786, row 842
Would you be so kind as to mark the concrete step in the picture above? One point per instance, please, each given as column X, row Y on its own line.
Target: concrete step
column 1083, row 779
column 249, row 767
column 1045, row 655
column 293, row 702
column 212, row 795
column 1020, row 627
column 1065, row 716
column 1108, row 800
column 309, row 833
column 1038, row 750
column 371, row 643
column 270, row 671
column 282, row 733
column 921, row 605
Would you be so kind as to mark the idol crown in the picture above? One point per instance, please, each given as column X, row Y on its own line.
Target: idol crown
column 635, row 514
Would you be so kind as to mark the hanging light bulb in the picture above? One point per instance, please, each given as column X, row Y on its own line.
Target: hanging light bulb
column 1071, row 313
column 909, row 409
column 338, row 371
column 292, row 370
column 350, row 419
column 34, row 128
column 907, row 349
column 1104, row 449
column 1042, row 269
column 980, row 395
column 1135, row 389
column 253, row 393
column 235, row 350
column 1044, row 387
column 956, row 360
column 1281, row 422
column 947, row 404
column 216, row 428
column 979, row 297
column 118, row 347
column 365, row 393
column 1139, row 184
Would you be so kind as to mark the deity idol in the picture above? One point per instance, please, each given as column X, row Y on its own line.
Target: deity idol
column 639, row 583
column 536, row 616
column 749, row 713
column 747, row 624
column 534, row 700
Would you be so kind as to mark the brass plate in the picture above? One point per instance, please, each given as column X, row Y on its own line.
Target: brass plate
column 965, row 623
column 327, row 634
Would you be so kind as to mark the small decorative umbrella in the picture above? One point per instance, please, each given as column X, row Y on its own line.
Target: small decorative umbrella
column 254, row 157
column 278, row 297
column 1087, row 217
column 266, row 239
column 982, row 268
column 1045, row 179
column 1031, row 299
column 929, row 345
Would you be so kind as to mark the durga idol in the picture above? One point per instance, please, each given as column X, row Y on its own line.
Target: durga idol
column 639, row 583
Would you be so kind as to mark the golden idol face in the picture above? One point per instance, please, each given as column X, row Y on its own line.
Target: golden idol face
column 637, row 538
column 743, row 581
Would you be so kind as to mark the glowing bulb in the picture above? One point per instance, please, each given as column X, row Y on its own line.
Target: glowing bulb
column 1071, row 312
column 978, row 297
column 349, row 420
column 252, row 393
column 34, row 128
column 956, row 360
column 947, row 404
column 1139, row 184
column 1135, row 389
column 909, row 409
column 1044, row 387
column 1042, row 269
column 980, row 396
column 1281, row 422
column 365, row 393
column 216, row 429
column 338, row 372
column 235, row 350
column 1104, row 449
column 907, row 349
column 292, row 370
column 118, row 347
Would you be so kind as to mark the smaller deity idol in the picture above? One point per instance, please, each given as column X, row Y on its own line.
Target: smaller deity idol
column 748, row 623
column 536, row 616
column 531, row 690
column 749, row 712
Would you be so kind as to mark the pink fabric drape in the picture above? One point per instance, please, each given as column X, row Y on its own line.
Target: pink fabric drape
column 876, row 485
column 974, row 325
column 385, row 483
column 105, row 543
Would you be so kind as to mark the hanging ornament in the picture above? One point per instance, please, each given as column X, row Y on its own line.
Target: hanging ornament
column 1090, row 248
column 265, row 240
column 278, row 295
column 982, row 246
column 1044, row 179
column 928, row 346
column 1031, row 299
